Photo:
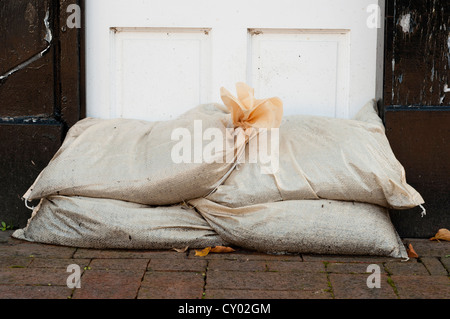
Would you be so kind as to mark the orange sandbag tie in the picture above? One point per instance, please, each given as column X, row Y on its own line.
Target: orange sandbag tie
column 248, row 114
column 247, row 111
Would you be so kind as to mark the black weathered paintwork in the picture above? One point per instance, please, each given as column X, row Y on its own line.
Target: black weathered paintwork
column 417, row 108
column 40, row 100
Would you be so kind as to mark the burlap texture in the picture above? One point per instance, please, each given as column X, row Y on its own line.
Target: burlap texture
column 306, row 226
column 131, row 160
column 325, row 158
column 106, row 224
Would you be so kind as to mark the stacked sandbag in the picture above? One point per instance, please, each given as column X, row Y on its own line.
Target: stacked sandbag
column 131, row 160
column 306, row 226
column 335, row 181
column 114, row 184
column 105, row 223
column 325, row 158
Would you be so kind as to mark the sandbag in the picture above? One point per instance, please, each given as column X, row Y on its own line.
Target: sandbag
column 105, row 223
column 131, row 160
column 325, row 158
column 306, row 226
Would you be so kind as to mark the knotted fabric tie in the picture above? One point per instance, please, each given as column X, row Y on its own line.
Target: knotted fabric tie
column 247, row 111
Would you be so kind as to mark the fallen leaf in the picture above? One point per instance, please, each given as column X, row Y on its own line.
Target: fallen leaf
column 222, row 249
column 181, row 250
column 442, row 234
column 411, row 252
column 202, row 253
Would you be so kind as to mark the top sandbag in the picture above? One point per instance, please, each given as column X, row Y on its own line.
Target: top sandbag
column 132, row 160
column 325, row 158
column 157, row 163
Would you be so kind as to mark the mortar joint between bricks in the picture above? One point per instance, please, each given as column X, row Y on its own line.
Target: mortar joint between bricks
column 390, row 281
column 443, row 265
column 325, row 263
column 204, row 279
column 419, row 260
column 142, row 279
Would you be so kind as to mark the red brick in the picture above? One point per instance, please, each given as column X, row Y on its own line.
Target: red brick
column 428, row 248
column 57, row 263
column 109, row 284
column 36, row 250
column 434, row 266
column 34, row 292
column 446, row 262
column 237, row 265
column 124, row 254
column 34, row 276
column 348, row 259
column 406, row 268
column 346, row 286
column 422, row 287
column 247, row 255
column 15, row 262
column 266, row 294
column 119, row 264
column 265, row 265
column 351, row 268
column 159, row 264
column 266, row 280
column 172, row 285
column 293, row 266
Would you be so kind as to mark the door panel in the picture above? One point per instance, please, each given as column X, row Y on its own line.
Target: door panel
column 147, row 65
column 300, row 66
column 166, row 57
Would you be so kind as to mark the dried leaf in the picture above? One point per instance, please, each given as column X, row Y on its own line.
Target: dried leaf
column 202, row 253
column 442, row 234
column 222, row 249
column 411, row 252
column 181, row 250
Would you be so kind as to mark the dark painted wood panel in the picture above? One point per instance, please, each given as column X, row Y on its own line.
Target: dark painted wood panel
column 26, row 87
column 22, row 31
column 420, row 140
column 417, row 107
column 70, row 72
column 25, row 150
column 40, row 99
column 29, row 92
column 417, row 65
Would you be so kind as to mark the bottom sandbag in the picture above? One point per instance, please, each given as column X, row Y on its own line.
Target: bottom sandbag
column 306, row 226
column 105, row 223
column 302, row 226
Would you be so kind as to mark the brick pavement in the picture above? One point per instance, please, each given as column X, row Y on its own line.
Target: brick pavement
column 37, row 271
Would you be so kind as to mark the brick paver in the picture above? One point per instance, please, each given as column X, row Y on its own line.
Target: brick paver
column 266, row 294
column 38, row 271
column 109, row 284
column 434, row 266
column 172, row 285
column 354, row 286
column 422, row 287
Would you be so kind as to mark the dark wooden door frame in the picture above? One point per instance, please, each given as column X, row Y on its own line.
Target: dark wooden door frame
column 416, row 108
column 71, row 58
column 42, row 93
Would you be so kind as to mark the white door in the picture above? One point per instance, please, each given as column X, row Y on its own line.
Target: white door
column 155, row 59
